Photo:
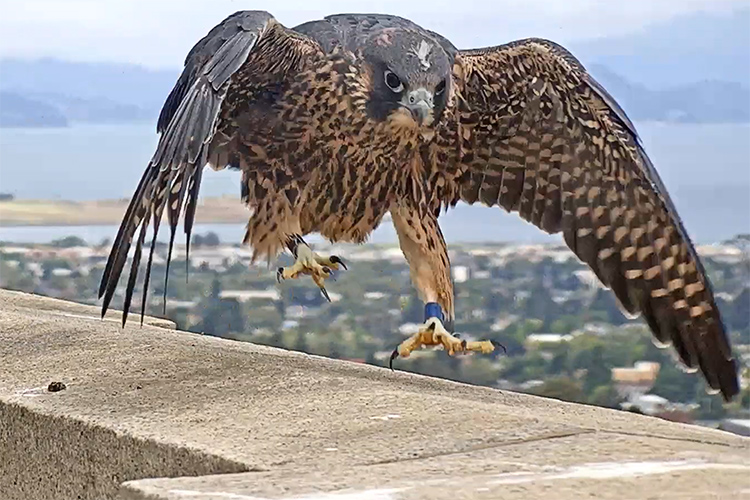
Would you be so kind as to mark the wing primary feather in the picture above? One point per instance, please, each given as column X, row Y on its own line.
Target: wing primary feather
column 236, row 49
column 119, row 253
column 166, row 272
column 124, row 226
column 187, row 124
column 147, row 279
column 192, row 203
column 134, row 268
column 612, row 103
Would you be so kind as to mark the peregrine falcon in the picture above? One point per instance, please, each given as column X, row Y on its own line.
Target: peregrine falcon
column 337, row 122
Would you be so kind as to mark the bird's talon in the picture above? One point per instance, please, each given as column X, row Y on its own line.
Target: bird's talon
column 394, row 355
column 338, row 260
column 308, row 262
column 433, row 333
column 498, row 345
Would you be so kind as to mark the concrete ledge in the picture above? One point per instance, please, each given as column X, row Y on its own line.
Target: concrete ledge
column 47, row 456
column 151, row 405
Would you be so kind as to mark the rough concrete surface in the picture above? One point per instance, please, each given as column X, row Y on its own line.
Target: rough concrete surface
column 149, row 407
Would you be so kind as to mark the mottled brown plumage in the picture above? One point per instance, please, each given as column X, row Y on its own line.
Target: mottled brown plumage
column 337, row 122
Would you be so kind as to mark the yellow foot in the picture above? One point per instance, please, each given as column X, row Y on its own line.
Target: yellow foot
column 308, row 262
column 433, row 333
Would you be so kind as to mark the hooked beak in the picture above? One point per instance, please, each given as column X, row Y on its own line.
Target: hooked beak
column 420, row 103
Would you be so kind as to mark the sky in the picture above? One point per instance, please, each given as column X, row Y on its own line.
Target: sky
column 159, row 33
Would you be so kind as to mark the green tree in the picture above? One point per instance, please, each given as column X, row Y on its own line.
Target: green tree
column 711, row 406
column 563, row 388
column 301, row 344
column 597, row 371
column 605, row 395
column 68, row 242
column 220, row 317
column 211, row 239
column 51, row 264
column 674, row 384
column 414, row 310
column 559, row 361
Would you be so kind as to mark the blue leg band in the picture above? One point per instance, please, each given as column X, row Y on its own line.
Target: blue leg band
column 433, row 310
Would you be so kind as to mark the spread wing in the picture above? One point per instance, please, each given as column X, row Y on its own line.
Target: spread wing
column 540, row 137
column 187, row 124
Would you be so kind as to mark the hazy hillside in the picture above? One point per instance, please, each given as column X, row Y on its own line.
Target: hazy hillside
column 19, row 111
column 122, row 83
column 691, row 69
column 684, row 50
column 700, row 102
column 87, row 92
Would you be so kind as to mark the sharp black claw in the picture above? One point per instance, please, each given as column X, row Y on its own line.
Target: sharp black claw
column 498, row 345
column 338, row 260
column 279, row 274
column 394, row 355
column 325, row 294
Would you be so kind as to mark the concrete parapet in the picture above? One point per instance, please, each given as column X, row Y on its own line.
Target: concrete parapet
column 144, row 409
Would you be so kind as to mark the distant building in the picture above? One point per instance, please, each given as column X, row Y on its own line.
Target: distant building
column 409, row 328
column 588, row 278
column 542, row 340
column 635, row 381
column 181, row 305
column 271, row 295
column 737, row 426
column 657, row 406
column 460, row 274
column 295, row 312
column 648, row 404
column 289, row 324
column 503, row 322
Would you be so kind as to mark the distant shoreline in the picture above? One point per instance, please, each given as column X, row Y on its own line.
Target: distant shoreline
column 17, row 213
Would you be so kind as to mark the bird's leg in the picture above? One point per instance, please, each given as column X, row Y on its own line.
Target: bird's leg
column 434, row 333
column 308, row 262
column 423, row 245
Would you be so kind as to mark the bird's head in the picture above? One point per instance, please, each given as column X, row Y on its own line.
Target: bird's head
column 410, row 77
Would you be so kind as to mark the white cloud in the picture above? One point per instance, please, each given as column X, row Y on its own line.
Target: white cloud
column 160, row 32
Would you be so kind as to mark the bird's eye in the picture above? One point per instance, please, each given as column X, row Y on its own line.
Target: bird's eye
column 440, row 88
column 394, row 82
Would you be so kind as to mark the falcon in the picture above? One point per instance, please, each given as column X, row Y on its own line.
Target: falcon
column 337, row 122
